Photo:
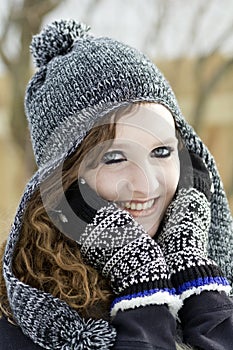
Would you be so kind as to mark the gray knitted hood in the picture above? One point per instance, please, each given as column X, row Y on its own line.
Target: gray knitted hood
column 79, row 79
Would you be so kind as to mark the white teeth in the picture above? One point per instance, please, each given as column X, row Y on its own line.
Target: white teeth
column 133, row 206
column 138, row 206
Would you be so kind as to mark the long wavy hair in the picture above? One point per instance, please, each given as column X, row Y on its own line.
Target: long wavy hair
column 44, row 257
column 48, row 260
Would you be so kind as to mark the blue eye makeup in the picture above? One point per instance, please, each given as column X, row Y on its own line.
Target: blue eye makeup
column 162, row 152
column 113, row 157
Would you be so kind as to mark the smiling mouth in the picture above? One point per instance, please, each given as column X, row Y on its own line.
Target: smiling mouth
column 137, row 206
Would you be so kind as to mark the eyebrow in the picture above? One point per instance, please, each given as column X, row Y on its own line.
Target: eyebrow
column 122, row 145
column 170, row 139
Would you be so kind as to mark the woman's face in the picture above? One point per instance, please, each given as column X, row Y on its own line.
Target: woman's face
column 140, row 170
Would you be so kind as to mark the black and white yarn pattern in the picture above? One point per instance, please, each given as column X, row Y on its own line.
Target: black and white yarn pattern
column 60, row 328
column 92, row 77
column 76, row 89
column 183, row 240
column 116, row 245
column 49, row 321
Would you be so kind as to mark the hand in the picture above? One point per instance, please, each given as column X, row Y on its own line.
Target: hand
column 77, row 208
column 193, row 173
column 116, row 245
column 184, row 235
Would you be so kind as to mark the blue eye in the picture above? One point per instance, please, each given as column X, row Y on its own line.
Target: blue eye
column 113, row 157
column 162, row 152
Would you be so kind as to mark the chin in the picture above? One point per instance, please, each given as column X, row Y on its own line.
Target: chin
column 152, row 233
column 151, row 230
column 150, row 226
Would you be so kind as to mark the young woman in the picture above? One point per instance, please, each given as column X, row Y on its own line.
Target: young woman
column 119, row 241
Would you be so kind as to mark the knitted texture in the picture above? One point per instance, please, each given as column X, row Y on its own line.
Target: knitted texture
column 78, row 206
column 48, row 321
column 183, row 240
column 193, row 173
column 54, row 325
column 91, row 77
column 116, row 245
column 85, row 79
column 79, row 79
column 56, row 40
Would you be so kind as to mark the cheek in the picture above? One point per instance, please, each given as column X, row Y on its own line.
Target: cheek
column 106, row 185
column 171, row 177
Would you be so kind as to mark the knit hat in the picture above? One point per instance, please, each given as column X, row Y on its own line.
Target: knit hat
column 80, row 79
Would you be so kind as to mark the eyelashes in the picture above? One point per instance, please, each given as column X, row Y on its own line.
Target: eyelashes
column 162, row 152
column 114, row 157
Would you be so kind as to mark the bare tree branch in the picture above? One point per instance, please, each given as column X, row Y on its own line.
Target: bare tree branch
column 205, row 89
column 91, row 8
column 27, row 19
column 40, row 8
column 161, row 8
column 196, row 20
column 221, row 39
column 218, row 75
column 4, row 57
column 6, row 26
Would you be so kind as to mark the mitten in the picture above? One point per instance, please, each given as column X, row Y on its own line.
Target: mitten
column 77, row 208
column 118, row 247
column 193, row 173
column 184, row 236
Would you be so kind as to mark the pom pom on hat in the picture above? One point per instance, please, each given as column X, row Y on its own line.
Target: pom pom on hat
column 65, row 98
column 80, row 78
column 56, row 39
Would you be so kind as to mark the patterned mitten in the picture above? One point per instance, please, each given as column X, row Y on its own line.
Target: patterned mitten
column 117, row 246
column 77, row 208
column 184, row 237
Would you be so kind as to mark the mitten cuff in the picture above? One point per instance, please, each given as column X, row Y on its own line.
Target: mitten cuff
column 142, row 295
column 194, row 173
column 202, row 183
column 196, row 279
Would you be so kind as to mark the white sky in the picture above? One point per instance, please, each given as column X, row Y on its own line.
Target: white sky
column 131, row 21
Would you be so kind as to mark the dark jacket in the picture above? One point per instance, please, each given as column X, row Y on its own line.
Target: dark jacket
column 206, row 320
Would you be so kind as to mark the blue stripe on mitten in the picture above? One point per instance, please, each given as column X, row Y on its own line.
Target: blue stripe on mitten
column 184, row 235
column 116, row 245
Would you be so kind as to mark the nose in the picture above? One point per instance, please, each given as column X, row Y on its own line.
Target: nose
column 144, row 180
